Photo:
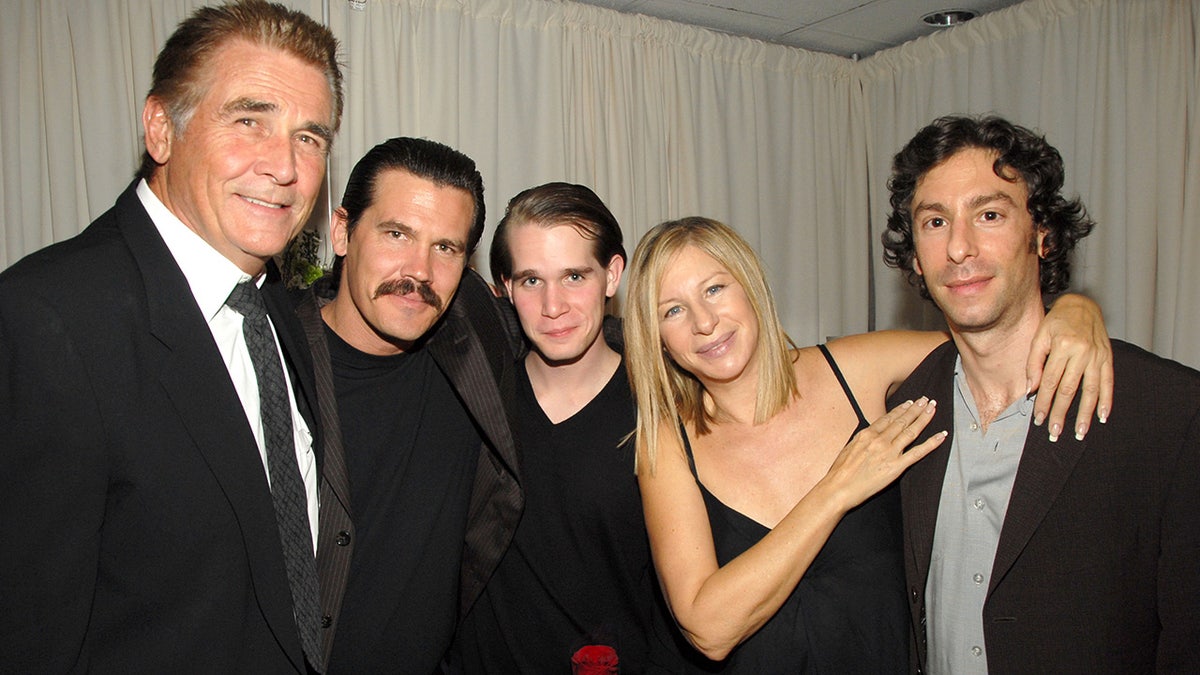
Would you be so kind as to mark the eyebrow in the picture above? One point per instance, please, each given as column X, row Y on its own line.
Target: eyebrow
column 976, row 202
column 526, row 273
column 393, row 225
column 251, row 105
column 397, row 225
column 705, row 283
column 460, row 246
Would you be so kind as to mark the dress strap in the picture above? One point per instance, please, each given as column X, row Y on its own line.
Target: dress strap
column 687, row 448
column 862, row 420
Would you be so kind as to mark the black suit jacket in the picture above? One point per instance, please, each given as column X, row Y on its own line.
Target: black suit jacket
column 138, row 529
column 473, row 345
column 1096, row 567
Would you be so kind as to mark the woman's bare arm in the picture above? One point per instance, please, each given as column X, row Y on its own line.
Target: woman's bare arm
column 719, row 607
column 1070, row 355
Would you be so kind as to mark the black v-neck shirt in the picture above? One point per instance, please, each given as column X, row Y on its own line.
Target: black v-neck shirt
column 578, row 571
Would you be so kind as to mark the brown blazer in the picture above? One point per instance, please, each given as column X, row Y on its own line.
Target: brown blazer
column 1096, row 567
column 473, row 344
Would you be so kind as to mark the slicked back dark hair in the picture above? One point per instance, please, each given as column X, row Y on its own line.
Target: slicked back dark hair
column 437, row 163
column 181, row 68
column 1021, row 155
column 440, row 164
column 554, row 204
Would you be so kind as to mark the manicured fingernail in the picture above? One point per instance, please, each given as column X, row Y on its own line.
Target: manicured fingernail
column 1055, row 430
column 1080, row 432
column 1028, row 387
column 929, row 410
column 922, row 401
column 1103, row 416
column 1038, row 418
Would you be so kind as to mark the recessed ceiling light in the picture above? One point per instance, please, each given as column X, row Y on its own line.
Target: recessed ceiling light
column 948, row 17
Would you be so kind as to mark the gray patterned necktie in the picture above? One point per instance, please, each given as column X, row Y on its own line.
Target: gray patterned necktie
column 287, row 489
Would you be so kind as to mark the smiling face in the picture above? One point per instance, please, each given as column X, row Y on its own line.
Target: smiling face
column 403, row 262
column 559, row 290
column 706, row 321
column 976, row 244
column 245, row 171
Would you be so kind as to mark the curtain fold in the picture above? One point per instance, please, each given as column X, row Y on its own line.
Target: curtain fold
column 1112, row 85
column 791, row 148
column 661, row 120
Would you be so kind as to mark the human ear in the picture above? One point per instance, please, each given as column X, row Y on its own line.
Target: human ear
column 616, row 266
column 339, row 231
column 158, row 129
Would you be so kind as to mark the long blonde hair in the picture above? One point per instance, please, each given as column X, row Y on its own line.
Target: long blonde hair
column 665, row 393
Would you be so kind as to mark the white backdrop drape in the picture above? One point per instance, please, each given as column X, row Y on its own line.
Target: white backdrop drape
column 1112, row 85
column 663, row 120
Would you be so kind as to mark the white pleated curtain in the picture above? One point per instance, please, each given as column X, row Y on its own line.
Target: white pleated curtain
column 662, row 120
column 1115, row 86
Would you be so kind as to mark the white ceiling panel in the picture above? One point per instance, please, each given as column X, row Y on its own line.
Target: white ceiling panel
column 843, row 27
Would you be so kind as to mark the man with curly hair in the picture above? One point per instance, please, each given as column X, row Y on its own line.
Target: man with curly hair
column 1025, row 553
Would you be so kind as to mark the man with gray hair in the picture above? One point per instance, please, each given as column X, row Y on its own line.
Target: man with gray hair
column 158, row 482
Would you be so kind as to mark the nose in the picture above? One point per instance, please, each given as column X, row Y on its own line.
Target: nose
column 419, row 264
column 277, row 159
column 553, row 304
column 704, row 320
column 961, row 244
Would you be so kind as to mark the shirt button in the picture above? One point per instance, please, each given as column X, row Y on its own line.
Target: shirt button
column 343, row 538
column 978, row 503
column 977, row 650
column 326, row 621
column 978, row 578
column 974, row 426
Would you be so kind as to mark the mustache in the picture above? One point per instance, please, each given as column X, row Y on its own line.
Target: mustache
column 406, row 286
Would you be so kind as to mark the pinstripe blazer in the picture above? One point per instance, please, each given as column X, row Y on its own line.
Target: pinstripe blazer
column 474, row 345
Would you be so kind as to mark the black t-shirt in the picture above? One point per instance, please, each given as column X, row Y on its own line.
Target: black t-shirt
column 411, row 451
column 578, row 571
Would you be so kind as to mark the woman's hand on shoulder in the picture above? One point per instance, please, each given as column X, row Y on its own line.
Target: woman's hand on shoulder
column 876, row 456
column 1071, row 354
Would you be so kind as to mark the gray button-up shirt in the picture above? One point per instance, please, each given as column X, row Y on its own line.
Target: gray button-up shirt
column 975, row 493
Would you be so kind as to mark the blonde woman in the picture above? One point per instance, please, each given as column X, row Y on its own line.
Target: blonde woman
column 769, row 499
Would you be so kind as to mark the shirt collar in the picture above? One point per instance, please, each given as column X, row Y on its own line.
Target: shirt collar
column 1023, row 405
column 210, row 275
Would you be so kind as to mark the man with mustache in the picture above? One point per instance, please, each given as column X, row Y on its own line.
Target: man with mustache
column 410, row 354
column 1023, row 553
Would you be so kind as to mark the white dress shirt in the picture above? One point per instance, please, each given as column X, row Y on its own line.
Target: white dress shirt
column 212, row 278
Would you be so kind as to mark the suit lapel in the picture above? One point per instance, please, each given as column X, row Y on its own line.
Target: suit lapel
column 460, row 355
column 333, row 472
column 194, row 378
column 336, row 534
column 921, row 487
column 1043, row 471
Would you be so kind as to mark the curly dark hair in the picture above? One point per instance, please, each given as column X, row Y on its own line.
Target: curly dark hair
column 1018, row 150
